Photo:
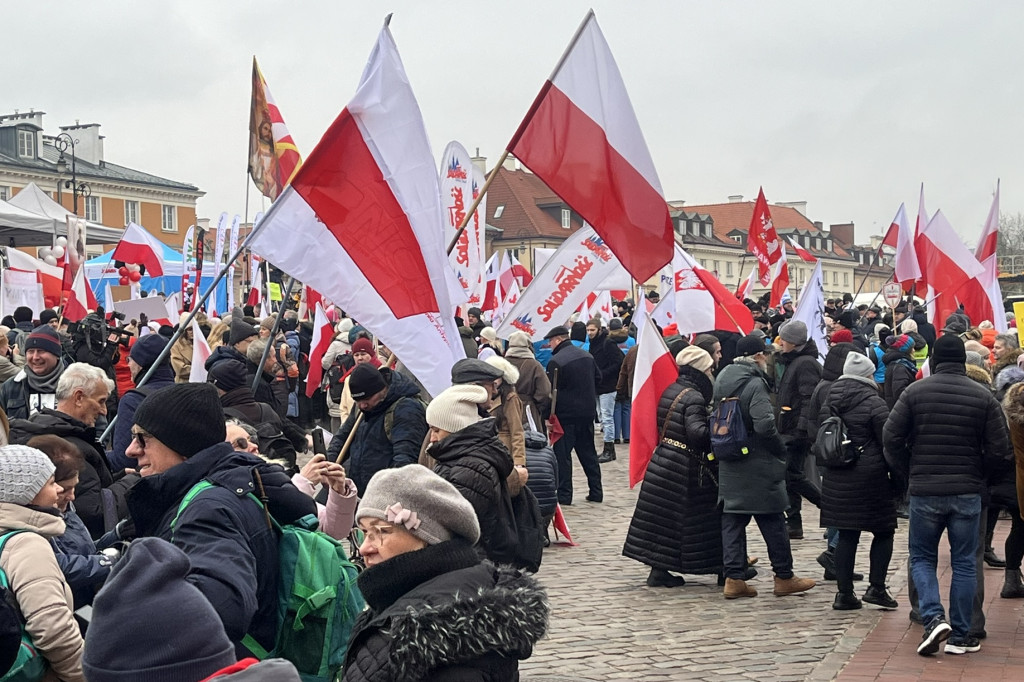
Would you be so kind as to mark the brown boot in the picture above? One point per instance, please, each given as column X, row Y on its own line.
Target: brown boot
column 794, row 585
column 734, row 589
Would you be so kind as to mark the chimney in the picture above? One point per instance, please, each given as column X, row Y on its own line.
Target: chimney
column 842, row 234
column 817, row 224
column 511, row 163
column 480, row 161
column 88, row 141
column 735, row 198
column 800, row 206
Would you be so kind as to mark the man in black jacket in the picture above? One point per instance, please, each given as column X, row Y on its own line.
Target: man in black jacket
column 575, row 376
column 608, row 359
column 946, row 436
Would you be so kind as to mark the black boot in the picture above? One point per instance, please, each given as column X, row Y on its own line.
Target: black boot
column 827, row 560
column 990, row 554
column 795, row 525
column 1013, row 585
column 846, row 601
column 660, row 578
column 608, row 454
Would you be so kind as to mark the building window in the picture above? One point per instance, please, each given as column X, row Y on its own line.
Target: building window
column 695, row 228
column 5, row 192
column 707, row 230
column 92, row 209
column 704, row 263
column 828, row 244
column 835, row 277
column 716, row 267
column 498, row 211
column 728, row 268
column 817, row 243
column 566, row 213
column 736, row 238
column 167, row 219
column 26, row 144
column 846, row 279
column 131, row 212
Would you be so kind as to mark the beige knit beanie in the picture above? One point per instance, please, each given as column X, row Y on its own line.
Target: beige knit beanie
column 509, row 373
column 696, row 357
column 455, row 408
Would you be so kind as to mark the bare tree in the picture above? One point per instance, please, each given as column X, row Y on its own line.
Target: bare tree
column 1011, row 235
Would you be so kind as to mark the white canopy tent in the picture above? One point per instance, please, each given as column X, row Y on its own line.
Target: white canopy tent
column 35, row 200
column 19, row 227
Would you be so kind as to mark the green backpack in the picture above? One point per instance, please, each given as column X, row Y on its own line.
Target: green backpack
column 318, row 600
column 29, row 666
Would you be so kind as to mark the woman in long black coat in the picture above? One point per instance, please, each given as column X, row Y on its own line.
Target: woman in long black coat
column 677, row 525
column 861, row 497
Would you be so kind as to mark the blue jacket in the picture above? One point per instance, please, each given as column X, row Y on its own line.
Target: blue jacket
column 83, row 568
column 232, row 550
column 163, row 376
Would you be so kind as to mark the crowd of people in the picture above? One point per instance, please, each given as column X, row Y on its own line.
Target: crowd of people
column 118, row 474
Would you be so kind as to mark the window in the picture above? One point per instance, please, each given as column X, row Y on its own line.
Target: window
column 704, row 263
column 846, row 279
column 835, row 277
column 26, row 144
column 738, row 239
column 5, row 192
column 728, row 268
column 168, row 223
column 131, row 212
column 566, row 213
column 707, row 230
column 817, row 243
column 828, row 244
column 92, row 209
column 695, row 228
column 715, row 267
column 498, row 211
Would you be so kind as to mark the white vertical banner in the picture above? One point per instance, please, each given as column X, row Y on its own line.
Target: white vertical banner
column 233, row 246
column 456, row 198
column 218, row 258
column 479, row 225
column 810, row 310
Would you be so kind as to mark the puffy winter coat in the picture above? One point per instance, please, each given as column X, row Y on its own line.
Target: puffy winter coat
column 859, row 497
column 533, row 387
column 231, row 547
column 440, row 614
column 577, row 382
column 946, row 435
column 900, row 372
column 543, row 468
column 608, row 358
column 475, row 462
column 830, row 371
column 677, row 525
column 797, row 373
column 1013, row 406
column 372, row 449
column 84, row 569
column 757, row 483
column 39, row 587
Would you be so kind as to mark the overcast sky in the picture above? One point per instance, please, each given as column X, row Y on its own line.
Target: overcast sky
column 848, row 106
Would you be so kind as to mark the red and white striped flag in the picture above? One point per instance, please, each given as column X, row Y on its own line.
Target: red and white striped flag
column 77, row 305
column 946, row 264
column 139, row 246
column 200, row 353
column 746, row 287
column 899, row 236
column 322, row 335
column 803, row 253
column 981, row 297
column 655, row 371
column 780, row 283
column 762, row 239
column 360, row 223
column 582, row 138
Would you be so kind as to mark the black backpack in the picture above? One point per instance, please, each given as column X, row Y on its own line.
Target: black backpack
column 334, row 380
column 832, row 446
column 729, row 442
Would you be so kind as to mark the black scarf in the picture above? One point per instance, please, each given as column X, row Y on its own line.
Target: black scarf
column 382, row 585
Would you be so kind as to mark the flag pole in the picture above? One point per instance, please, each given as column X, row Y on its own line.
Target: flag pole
column 864, row 280
column 182, row 326
column 273, row 333
column 476, row 202
column 348, row 441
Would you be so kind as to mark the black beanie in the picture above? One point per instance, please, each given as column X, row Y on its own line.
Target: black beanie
column 186, row 418
column 146, row 350
column 365, row 381
column 45, row 338
column 47, row 316
column 578, row 332
column 149, row 623
column 227, row 374
column 749, row 345
column 240, row 331
column 949, row 348
column 22, row 314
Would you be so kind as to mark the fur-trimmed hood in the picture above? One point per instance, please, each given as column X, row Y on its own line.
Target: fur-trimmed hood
column 1008, row 376
column 1009, row 359
column 980, row 375
column 1013, row 405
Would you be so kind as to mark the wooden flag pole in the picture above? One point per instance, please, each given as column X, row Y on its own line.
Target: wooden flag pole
column 348, row 441
column 476, row 202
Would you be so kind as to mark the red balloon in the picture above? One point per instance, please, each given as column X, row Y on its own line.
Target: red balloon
column 134, row 276
column 123, row 271
column 123, row 281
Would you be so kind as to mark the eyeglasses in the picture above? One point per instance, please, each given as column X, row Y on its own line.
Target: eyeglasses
column 140, row 438
column 376, row 535
column 242, row 443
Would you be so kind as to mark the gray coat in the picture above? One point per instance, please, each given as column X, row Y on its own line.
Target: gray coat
column 756, row 484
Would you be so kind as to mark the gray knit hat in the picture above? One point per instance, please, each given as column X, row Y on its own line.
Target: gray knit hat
column 456, row 407
column 422, row 502
column 23, row 473
column 794, row 331
column 858, row 365
column 519, row 340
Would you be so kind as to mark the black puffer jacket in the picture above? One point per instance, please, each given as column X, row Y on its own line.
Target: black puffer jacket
column 900, row 372
column 608, row 358
column 832, row 370
column 371, row 449
column 677, row 524
column 947, row 435
column 440, row 614
column 800, row 372
column 577, row 382
column 543, row 480
column 475, row 462
column 859, row 497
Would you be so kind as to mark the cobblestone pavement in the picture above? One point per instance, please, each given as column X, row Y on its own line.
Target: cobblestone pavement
column 608, row 625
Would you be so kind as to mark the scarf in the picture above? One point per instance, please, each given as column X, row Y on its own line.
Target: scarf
column 382, row 585
column 46, row 383
column 519, row 352
column 856, row 377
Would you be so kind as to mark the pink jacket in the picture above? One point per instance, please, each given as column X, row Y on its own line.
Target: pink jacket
column 337, row 518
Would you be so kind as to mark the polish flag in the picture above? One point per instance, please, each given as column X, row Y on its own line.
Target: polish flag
column 521, row 274
column 50, row 276
column 899, row 236
column 762, row 239
column 804, row 254
column 492, row 288
column 922, row 222
column 139, row 246
column 581, row 137
column 780, row 284
column 255, row 291
column 359, row 222
column 946, row 264
column 505, row 275
column 322, row 335
column 77, row 305
column 981, row 297
column 655, row 371
column 702, row 303
column 200, row 353
column 746, row 287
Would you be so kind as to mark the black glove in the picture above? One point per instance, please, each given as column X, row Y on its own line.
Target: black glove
column 125, row 530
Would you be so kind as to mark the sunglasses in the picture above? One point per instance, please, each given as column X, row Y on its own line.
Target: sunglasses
column 140, row 438
column 242, row 443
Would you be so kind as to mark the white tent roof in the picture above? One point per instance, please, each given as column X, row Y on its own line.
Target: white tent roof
column 35, row 200
column 24, row 228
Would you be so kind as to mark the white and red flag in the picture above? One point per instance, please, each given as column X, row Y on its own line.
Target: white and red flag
column 762, row 239
column 582, row 138
column 780, row 283
column 919, row 225
column 77, row 305
column 746, row 287
column 323, row 332
column 702, row 303
column 900, row 237
column 655, row 371
column 200, row 353
column 50, row 276
column 981, row 297
column 139, row 246
column 491, row 289
column 360, row 223
column 805, row 255
column 946, row 264
column 520, row 273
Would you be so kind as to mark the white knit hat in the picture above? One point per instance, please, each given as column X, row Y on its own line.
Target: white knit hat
column 23, row 473
column 519, row 340
column 488, row 334
column 455, row 408
column 420, row 501
column 509, row 373
column 696, row 357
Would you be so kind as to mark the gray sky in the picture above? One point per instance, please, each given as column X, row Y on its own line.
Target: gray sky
column 849, row 106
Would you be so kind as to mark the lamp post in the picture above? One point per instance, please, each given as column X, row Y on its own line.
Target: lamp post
column 62, row 143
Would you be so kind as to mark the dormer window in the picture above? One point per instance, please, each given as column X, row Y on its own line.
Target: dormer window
column 26, row 144
column 566, row 214
column 828, row 244
column 707, row 230
column 817, row 243
column 695, row 228
column 499, row 210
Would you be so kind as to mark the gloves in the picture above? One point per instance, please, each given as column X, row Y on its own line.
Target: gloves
column 125, row 530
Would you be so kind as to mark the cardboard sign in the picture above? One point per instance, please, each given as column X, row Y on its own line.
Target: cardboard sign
column 274, row 291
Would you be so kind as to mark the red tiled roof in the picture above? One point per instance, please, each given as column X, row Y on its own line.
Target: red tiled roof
column 522, row 194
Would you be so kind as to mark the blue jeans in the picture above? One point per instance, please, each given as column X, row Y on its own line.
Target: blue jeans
column 959, row 516
column 622, row 410
column 607, row 403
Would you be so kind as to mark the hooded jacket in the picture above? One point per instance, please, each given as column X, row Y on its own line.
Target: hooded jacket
column 231, row 547
column 900, row 372
column 608, row 358
column 577, row 382
column 372, row 449
column 830, row 371
column 163, row 376
column 797, row 373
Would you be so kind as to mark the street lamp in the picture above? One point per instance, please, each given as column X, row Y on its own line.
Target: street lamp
column 62, row 143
